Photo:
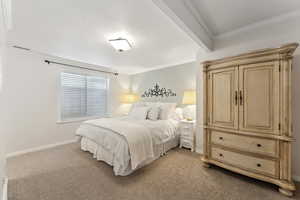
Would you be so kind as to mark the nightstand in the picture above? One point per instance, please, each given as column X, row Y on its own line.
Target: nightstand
column 187, row 134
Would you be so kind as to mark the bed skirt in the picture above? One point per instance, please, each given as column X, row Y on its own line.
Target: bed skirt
column 102, row 154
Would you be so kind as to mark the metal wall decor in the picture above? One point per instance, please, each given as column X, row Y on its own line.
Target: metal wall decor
column 158, row 92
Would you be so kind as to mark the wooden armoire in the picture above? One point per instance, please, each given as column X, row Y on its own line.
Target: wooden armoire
column 248, row 115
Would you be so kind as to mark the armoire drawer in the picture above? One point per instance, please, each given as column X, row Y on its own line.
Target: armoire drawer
column 249, row 144
column 246, row 162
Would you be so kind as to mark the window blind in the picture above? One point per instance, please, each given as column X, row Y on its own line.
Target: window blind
column 83, row 96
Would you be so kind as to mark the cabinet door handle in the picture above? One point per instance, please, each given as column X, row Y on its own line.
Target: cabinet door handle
column 236, row 98
column 258, row 145
column 221, row 138
column 241, row 98
column 221, row 155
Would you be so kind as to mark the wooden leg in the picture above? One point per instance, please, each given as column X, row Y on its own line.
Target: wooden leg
column 286, row 192
column 206, row 165
column 205, row 162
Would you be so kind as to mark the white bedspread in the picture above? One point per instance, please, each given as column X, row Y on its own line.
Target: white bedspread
column 137, row 136
column 127, row 139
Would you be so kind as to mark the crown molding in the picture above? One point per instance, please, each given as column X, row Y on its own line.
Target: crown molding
column 194, row 12
column 160, row 67
column 269, row 21
column 285, row 51
column 190, row 5
column 198, row 35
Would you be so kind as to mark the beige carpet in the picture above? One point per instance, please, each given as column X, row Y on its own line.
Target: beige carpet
column 66, row 173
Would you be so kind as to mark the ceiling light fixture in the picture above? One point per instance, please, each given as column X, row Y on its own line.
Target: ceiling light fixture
column 120, row 44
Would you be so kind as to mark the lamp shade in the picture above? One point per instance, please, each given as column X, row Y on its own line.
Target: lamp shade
column 129, row 98
column 189, row 97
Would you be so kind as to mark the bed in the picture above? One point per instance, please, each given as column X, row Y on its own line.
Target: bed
column 131, row 142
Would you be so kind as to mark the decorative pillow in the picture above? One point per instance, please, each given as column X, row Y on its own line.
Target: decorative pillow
column 139, row 113
column 153, row 113
column 142, row 104
column 166, row 110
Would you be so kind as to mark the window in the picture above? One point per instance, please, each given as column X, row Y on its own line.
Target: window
column 83, row 96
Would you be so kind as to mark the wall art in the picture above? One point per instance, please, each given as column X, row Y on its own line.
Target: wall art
column 156, row 91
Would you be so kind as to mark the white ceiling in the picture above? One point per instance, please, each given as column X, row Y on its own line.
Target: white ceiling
column 229, row 15
column 79, row 30
column 162, row 32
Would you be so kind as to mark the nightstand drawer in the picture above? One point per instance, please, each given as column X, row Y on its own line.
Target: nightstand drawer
column 186, row 133
column 244, row 143
column 190, row 139
column 186, row 128
column 251, row 163
column 187, row 136
column 184, row 125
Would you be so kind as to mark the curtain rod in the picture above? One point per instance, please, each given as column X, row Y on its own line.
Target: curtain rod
column 76, row 66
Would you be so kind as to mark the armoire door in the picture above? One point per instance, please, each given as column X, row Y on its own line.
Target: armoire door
column 222, row 98
column 259, row 97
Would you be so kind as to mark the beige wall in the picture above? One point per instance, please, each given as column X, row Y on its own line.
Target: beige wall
column 177, row 78
column 118, row 86
column 261, row 37
column 30, row 96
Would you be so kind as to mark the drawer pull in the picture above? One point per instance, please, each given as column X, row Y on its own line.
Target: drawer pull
column 258, row 145
column 258, row 165
column 221, row 138
column 221, row 155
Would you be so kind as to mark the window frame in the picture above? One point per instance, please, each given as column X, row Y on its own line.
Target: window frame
column 60, row 120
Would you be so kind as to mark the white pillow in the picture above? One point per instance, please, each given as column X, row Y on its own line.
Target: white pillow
column 153, row 113
column 139, row 113
column 166, row 110
column 137, row 104
column 142, row 104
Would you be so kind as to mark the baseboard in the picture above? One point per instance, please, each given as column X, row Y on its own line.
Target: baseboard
column 5, row 186
column 40, row 148
column 296, row 178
